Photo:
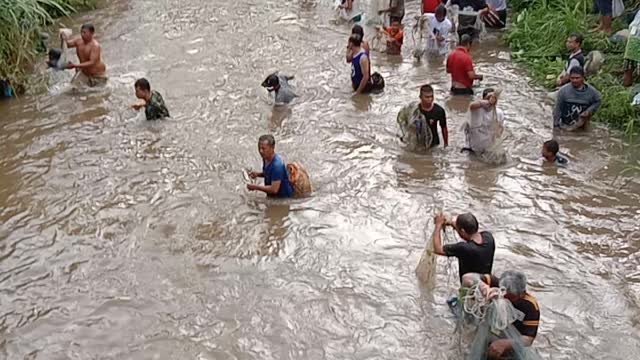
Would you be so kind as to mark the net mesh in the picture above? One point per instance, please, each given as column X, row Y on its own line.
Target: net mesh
column 414, row 129
column 492, row 321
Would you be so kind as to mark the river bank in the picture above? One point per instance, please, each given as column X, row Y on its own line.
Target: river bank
column 537, row 38
column 20, row 40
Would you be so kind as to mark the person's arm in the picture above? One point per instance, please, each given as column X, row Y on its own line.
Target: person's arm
column 557, row 110
column 484, row 8
column 269, row 189
column 596, row 100
column 479, row 104
column 139, row 105
column 71, row 43
column 471, row 72
column 93, row 59
column 445, row 130
column 254, row 174
column 473, row 76
column 349, row 55
column 364, row 66
column 438, row 248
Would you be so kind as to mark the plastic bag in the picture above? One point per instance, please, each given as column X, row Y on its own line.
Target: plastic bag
column 618, row 8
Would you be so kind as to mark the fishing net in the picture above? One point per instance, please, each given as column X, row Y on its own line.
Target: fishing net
column 470, row 22
column 486, row 138
column 492, row 316
column 426, row 269
column 299, row 179
column 414, row 129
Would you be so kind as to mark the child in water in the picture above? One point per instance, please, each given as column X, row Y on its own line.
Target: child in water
column 550, row 151
column 151, row 101
column 395, row 37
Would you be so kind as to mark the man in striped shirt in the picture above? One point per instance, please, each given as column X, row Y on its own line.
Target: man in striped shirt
column 515, row 284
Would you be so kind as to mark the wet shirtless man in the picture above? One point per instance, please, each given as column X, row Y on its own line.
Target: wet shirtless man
column 92, row 71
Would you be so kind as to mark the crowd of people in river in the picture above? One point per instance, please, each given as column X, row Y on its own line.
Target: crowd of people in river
column 575, row 105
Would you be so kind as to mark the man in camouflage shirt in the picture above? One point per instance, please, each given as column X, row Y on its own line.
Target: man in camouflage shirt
column 152, row 101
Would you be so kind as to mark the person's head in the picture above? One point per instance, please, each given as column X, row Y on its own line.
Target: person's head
column 441, row 12
column 395, row 24
column 357, row 30
column 271, row 83
column 550, row 149
column 515, row 284
column 489, row 94
column 574, row 42
column 576, row 76
column 426, row 95
column 465, row 41
column 86, row 32
column 143, row 88
column 355, row 40
column 466, row 225
column 54, row 57
column 267, row 146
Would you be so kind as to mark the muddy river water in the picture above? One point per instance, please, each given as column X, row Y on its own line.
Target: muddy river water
column 127, row 239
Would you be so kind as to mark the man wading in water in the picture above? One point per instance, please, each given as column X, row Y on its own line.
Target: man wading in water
column 475, row 253
column 274, row 171
column 92, row 69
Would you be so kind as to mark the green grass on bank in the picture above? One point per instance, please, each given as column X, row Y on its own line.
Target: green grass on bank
column 22, row 21
column 537, row 39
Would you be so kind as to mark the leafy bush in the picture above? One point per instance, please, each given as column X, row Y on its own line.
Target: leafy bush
column 538, row 37
column 22, row 22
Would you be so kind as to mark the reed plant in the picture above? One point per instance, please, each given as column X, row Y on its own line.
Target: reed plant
column 537, row 39
column 22, row 22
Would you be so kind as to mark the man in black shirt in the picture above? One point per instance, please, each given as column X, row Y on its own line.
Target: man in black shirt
column 475, row 253
column 419, row 122
column 433, row 114
column 467, row 23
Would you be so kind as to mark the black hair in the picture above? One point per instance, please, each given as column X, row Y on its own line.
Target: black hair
column 578, row 37
column 271, row 81
column 552, row 146
column 576, row 70
column 88, row 27
column 269, row 139
column 357, row 29
column 143, row 84
column 441, row 10
column 355, row 39
column 426, row 89
column 465, row 40
column 468, row 223
column 487, row 91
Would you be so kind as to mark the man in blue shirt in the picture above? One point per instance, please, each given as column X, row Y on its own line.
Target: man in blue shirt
column 274, row 170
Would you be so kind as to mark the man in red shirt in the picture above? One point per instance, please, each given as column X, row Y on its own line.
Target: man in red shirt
column 430, row 6
column 460, row 66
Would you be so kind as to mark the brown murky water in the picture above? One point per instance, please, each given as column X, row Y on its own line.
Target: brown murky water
column 125, row 239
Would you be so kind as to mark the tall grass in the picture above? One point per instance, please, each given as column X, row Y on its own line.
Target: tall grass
column 538, row 37
column 21, row 23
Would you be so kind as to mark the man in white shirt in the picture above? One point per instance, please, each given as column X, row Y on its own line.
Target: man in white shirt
column 439, row 28
column 486, row 123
